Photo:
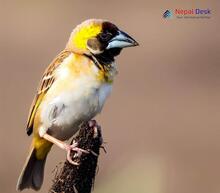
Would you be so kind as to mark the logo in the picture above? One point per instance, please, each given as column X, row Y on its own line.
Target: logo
column 188, row 13
column 167, row 14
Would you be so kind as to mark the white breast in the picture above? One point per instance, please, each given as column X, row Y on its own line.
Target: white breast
column 103, row 92
column 82, row 103
column 81, row 100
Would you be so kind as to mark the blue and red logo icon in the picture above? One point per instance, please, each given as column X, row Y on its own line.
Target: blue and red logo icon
column 187, row 13
column 167, row 14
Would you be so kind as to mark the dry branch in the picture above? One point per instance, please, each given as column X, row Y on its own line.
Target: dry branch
column 80, row 179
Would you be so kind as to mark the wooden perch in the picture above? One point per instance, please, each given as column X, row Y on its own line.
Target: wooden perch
column 80, row 178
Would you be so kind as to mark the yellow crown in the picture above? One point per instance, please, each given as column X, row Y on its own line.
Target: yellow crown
column 83, row 32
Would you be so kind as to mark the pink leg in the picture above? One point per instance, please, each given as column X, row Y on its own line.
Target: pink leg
column 93, row 123
column 66, row 147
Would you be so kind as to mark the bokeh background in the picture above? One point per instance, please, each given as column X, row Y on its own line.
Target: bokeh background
column 162, row 122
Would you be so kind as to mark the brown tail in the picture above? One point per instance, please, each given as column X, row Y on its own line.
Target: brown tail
column 32, row 174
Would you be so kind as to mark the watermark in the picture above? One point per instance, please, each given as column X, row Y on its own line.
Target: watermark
column 188, row 13
column 167, row 14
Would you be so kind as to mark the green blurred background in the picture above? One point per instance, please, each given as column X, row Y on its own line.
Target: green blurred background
column 162, row 122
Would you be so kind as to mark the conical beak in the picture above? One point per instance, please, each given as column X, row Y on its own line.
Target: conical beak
column 121, row 40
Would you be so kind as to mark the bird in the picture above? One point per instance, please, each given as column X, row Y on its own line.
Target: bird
column 72, row 91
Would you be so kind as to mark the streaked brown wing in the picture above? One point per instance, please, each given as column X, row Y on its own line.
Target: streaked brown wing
column 46, row 82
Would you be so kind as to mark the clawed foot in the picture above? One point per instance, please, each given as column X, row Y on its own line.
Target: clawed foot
column 93, row 123
column 103, row 148
column 79, row 151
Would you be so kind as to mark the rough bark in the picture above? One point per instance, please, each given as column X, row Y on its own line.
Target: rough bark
column 80, row 179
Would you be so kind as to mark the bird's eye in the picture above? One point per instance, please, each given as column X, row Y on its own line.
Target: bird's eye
column 105, row 36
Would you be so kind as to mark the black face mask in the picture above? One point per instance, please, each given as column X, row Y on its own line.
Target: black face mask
column 108, row 56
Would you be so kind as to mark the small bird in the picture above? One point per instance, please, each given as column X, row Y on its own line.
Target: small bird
column 73, row 90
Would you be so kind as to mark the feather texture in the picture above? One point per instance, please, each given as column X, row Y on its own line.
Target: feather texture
column 46, row 82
